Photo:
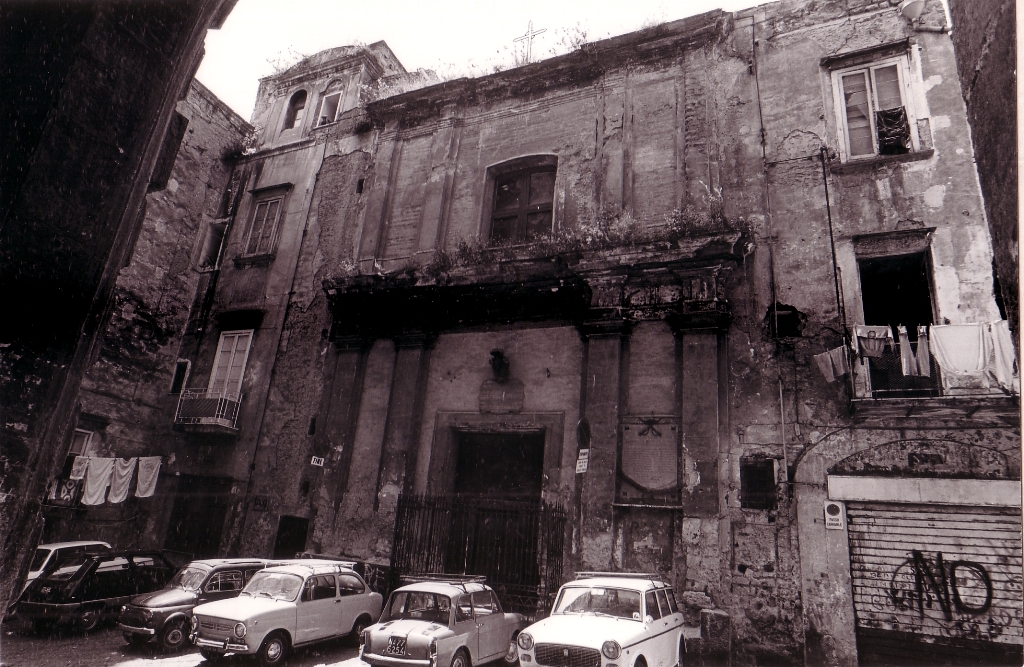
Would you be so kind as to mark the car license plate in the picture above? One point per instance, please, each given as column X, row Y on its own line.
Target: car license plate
column 396, row 646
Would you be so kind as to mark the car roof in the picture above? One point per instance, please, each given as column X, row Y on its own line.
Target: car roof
column 637, row 583
column 307, row 567
column 217, row 562
column 443, row 587
column 78, row 543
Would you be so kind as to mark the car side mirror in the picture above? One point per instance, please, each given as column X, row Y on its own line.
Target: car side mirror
column 649, row 619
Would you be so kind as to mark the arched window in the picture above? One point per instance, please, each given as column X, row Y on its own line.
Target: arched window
column 296, row 110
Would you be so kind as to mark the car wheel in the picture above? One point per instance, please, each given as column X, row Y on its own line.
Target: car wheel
column 640, row 662
column 512, row 654
column 460, row 659
column 357, row 628
column 87, row 620
column 173, row 636
column 273, row 651
column 210, row 656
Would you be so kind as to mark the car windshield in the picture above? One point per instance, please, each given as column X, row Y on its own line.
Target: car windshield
column 277, row 585
column 38, row 560
column 418, row 606
column 619, row 602
column 191, row 578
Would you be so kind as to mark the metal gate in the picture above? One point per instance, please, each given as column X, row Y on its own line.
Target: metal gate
column 516, row 545
column 936, row 585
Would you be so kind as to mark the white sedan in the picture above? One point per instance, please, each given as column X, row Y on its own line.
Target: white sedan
column 606, row 619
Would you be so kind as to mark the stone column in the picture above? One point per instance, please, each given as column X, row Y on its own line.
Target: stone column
column 602, row 380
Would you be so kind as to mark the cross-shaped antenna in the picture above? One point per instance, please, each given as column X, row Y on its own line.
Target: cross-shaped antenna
column 528, row 38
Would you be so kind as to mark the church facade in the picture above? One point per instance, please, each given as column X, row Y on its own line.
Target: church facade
column 697, row 301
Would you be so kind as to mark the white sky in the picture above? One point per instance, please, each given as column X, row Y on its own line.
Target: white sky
column 452, row 37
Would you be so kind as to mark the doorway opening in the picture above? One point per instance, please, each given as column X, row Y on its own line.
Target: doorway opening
column 499, row 466
column 291, row 536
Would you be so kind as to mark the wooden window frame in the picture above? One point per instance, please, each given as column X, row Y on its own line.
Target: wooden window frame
column 321, row 119
column 266, row 244
column 515, row 169
column 214, row 376
column 907, row 97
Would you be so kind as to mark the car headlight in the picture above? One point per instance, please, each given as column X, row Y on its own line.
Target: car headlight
column 611, row 649
column 195, row 623
column 240, row 630
column 525, row 641
column 124, row 608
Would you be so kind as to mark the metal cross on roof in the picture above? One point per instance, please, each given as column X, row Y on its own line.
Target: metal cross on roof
column 528, row 38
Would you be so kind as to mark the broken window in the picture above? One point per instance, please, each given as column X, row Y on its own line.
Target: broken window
column 873, row 111
column 262, row 236
column 330, row 107
column 523, row 205
column 896, row 292
column 757, row 484
column 229, row 364
column 296, row 110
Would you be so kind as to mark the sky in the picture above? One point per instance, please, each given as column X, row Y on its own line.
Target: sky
column 451, row 37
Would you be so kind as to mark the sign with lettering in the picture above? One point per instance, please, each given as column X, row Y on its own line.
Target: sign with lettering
column 834, row 517
column 583, row 460
column 317, row 461
column 261, row 503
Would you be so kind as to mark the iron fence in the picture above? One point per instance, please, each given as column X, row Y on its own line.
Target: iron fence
column 888, row 380
column 199, row 406
column 516, row 545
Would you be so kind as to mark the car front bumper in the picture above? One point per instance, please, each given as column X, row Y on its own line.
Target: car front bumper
column 219, row 645
column 136, row 630
column 390, row 661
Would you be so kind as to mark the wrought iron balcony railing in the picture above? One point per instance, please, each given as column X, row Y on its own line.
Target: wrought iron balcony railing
column 882, row 377
column 199, row 407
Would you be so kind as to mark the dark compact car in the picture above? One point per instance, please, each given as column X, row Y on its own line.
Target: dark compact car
column 87, row 590
column 165, row 615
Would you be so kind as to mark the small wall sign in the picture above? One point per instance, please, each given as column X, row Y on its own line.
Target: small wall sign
column 261, row 503
column 835, row 517
column 317, row 461
column 582, row 460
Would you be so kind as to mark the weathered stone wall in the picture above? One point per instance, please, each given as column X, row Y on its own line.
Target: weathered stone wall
column 126, row 393
column 984, row 37
column 88, row 136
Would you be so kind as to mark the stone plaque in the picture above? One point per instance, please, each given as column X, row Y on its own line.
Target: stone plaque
column 650, row 453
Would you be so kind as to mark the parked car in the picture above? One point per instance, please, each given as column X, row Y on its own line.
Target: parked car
column 606, row 619
column 284, row 606
column 166, row 615
column 47, row 554
column 91, row 588
column 442, row 622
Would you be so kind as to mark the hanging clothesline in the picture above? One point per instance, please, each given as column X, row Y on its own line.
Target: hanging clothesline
column 97, row 474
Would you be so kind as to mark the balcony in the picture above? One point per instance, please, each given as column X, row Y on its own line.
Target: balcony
column 207, row 411
column 882, row 392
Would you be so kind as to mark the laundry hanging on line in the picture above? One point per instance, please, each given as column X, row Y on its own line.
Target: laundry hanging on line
column 833, row 364
column 97, row 479
column 872, row 340
column 121, row 480
column 960, row 349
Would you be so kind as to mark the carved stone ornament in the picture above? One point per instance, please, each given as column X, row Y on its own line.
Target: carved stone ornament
column 650, row 452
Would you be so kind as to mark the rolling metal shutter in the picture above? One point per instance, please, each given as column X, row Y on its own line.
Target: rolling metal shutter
column 936, row 585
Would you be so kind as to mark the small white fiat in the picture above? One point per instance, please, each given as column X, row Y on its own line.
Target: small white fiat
column 607, row 619
column 284, row 606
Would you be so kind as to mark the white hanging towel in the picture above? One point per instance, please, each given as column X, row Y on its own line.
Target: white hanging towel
column 97, row 479
column 79, row 467
column 149, row 469
column 122, row 479
column 1003, row 368
column 960, row 349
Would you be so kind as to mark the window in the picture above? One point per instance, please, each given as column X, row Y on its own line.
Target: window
column 168, row 152
column 872, row 108
column 329, row 108
column 463, row 609
column 895, row 291
column 262, row 236
column 651, row 602
column 320, row 587
column 349, row 584
column 522, row 205
column 209, row 255
column 757, row 484
column 482, row 604
column 181, row 371
column 83, row 443
column 296, row 110
column 230, row 580
column 229, row 364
